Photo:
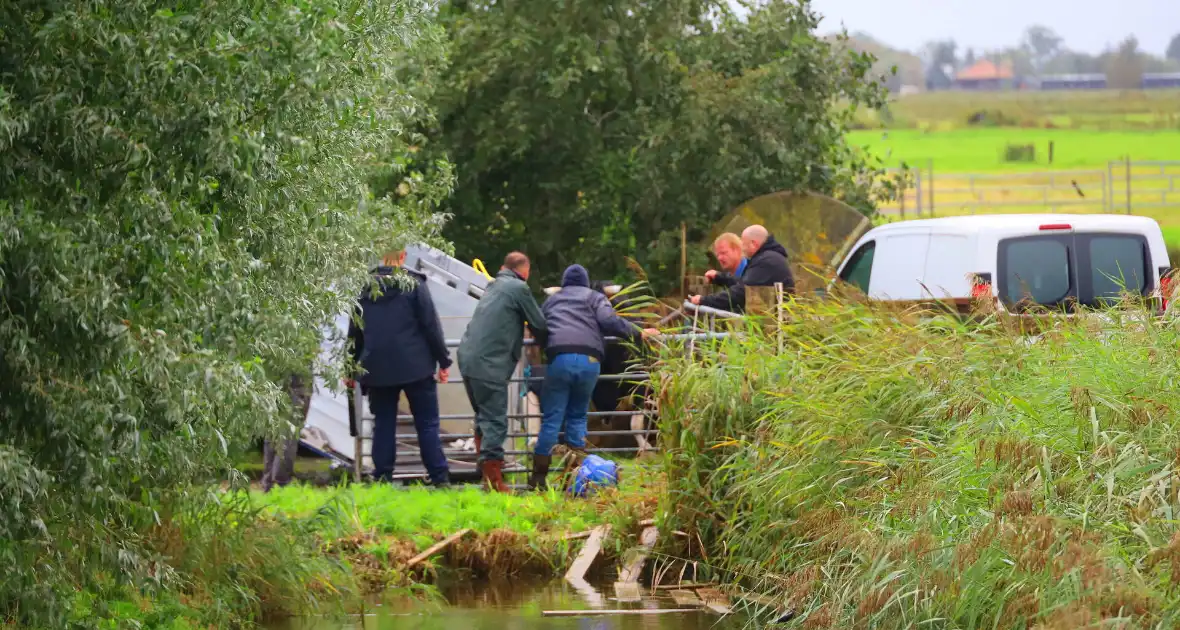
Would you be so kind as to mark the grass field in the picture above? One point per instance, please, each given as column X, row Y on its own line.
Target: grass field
column 1082, row 109
column 970, row 174
column 981, row 150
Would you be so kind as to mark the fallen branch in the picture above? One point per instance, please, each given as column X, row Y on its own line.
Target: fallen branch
column 437, row 547
column 598, row 613
column 684, row 586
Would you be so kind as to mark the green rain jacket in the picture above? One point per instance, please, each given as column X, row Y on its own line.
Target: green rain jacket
column 491, row 346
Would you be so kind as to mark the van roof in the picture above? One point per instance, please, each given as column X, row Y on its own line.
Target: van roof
column 991, row 221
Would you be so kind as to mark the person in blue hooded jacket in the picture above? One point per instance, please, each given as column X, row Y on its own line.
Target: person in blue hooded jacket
column 579, row 318
column 397, row 339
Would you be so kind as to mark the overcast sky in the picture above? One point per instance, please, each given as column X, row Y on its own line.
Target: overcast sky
column 1086, row 25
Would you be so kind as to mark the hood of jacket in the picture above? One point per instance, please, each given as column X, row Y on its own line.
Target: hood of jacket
column 772, row 245
column 575, row 276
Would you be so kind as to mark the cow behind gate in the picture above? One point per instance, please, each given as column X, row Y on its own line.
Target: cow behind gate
column 622, row 396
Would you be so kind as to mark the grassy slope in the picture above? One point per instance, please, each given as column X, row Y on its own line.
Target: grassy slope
column 885, row 473
column 980, row 150
column 377, row 528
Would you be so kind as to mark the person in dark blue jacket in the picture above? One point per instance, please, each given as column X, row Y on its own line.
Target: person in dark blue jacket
column 578, row 318
column 399, row 343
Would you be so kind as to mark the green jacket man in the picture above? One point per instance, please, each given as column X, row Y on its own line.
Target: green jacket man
column 488, row 355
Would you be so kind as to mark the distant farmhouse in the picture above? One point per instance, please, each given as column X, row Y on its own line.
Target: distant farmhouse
column 1161, row 80
column 988, row 76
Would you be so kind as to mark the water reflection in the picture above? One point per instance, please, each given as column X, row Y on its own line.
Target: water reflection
column 518, row 606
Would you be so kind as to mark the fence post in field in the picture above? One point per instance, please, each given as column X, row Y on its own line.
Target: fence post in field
column 1128, row 183
column 918, row 191
column 1108, row 188
column 930, row 167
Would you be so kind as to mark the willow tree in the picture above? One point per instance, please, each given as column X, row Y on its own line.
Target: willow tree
column 180, row 186
column 589, row 130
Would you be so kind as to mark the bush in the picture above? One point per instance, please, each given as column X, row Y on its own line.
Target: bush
column 178, row 189
column 1020, row 153
column 886, row 472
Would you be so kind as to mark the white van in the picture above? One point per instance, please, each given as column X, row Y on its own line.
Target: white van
column 1051, row 260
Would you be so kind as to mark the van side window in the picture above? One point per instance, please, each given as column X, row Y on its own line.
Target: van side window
column 859, row 269
column 1118, row 264
column 1035, row 269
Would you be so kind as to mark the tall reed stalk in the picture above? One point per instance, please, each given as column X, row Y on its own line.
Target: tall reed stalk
column 889, row 469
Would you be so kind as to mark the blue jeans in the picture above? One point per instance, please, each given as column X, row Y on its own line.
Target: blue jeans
column 423, row 399
column 565, row 400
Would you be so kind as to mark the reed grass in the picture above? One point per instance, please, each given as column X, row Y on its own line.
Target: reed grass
column 888, row 470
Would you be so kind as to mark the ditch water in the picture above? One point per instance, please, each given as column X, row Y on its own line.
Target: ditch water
column 517, row 606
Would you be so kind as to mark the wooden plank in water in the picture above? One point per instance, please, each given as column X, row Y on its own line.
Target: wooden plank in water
column 686, row 598
column 633, row 568
column 628, row 592
column 715, row 600
column 630, row 611
column 589, row 552
column 437, row 547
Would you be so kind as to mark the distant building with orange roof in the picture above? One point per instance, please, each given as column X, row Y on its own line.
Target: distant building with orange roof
column 986, row 75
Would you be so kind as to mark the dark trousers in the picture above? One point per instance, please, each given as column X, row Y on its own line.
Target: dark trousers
column 489, row 400
column 278, row 456
column 423, row 399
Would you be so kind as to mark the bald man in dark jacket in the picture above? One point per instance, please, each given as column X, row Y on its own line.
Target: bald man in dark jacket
column 767, row 266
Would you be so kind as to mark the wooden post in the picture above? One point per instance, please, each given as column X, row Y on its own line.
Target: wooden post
column 930, row 185
column 683, row 260
column 778, row 315
column 356, row 407
column 1128, row 163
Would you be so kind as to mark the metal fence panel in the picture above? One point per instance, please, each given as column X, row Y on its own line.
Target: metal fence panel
column 1124, row 186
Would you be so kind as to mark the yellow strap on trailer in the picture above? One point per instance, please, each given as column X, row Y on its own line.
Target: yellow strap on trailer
column 477, row 264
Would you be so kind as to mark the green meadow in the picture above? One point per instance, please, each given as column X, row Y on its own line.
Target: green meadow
column 982, row 150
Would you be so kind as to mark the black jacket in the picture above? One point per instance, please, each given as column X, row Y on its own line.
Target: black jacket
column 767, row 267
column 399, row 338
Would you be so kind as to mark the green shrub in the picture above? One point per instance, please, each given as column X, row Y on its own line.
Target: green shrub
column 179, row 186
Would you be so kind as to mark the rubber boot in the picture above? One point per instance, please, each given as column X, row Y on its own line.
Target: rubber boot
column 478, row 462
column 493, row 476
column 540, row 472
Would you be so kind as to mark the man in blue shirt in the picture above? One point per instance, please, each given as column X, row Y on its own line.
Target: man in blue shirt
column 728, row 250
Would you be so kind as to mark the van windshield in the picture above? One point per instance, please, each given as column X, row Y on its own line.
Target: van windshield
column 1055, row 269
